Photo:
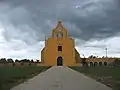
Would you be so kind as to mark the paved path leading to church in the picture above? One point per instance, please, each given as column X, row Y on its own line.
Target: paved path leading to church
column 61, row 78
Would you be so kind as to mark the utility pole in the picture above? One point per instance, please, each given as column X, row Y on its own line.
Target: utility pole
column 106, row 52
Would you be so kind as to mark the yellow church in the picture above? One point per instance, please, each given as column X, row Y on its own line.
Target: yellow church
column 59, row 49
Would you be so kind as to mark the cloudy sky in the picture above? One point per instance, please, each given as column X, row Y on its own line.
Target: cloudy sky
column 94, row 24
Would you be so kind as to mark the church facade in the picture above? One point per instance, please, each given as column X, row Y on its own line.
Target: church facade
column 60, row 49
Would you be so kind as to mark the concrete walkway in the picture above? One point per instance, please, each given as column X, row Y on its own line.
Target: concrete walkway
column 61, row 78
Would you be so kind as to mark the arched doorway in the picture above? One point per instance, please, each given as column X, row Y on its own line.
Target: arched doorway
column 95, row 64
column 100, row 63
column 105, row 63
column 91, row 64
column 59, row 61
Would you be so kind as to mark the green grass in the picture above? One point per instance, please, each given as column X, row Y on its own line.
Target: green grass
column 10, row 76
column 107, row 75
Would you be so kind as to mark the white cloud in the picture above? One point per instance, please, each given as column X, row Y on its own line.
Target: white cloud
column 23, row 27
column 16, row 48
column 97, row 47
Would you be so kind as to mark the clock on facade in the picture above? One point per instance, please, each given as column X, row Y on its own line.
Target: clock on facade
column 59, row 29
column 60, row 34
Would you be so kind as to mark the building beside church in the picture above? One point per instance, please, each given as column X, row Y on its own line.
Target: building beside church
column 60, row 49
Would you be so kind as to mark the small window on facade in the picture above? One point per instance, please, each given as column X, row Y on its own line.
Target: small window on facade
column 59, row 48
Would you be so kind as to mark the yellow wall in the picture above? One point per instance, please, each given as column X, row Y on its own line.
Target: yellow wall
column 77, row 57
column 42, row 55
column 50, row 53
column 68, row 53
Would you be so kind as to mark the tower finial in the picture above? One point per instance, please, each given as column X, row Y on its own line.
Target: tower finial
column 59, row 22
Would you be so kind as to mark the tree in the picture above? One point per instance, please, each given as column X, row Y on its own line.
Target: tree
column 3, row 60
column 32, row 61
column 91, row 56
column 17, row 60
column 103, row 56
column 94, row 57
column 10, row 60
column 37, row 61
column 25, row 60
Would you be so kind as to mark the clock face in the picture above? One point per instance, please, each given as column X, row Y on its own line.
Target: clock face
column 59, row 29
column 60, row 34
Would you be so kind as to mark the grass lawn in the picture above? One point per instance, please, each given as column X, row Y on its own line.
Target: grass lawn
column 110, row 76
column 11, row 76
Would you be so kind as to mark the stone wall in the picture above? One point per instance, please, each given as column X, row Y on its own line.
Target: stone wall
column 18, row 64
column 100, row 61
